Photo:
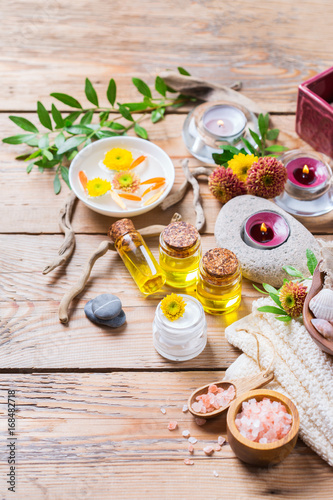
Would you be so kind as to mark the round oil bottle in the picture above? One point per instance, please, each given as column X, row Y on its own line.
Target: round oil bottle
column 136, row 256
column 220, row 281
column 180, row 253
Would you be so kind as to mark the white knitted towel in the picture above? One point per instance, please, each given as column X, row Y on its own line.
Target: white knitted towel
column 302, row 371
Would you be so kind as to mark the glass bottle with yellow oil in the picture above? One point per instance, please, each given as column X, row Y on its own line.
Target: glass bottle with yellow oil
column 219, row 281
column 136, row 256
column 180, row 253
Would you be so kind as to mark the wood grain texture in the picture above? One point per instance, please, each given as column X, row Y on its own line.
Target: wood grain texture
column 101, row 436
column 35, row 209
column 271, row 47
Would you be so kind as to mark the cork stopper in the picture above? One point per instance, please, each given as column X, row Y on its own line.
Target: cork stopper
column 180, row 235
column 220, row 263
column 120, row 228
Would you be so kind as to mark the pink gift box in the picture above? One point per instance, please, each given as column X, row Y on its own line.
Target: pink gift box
column 314, row 115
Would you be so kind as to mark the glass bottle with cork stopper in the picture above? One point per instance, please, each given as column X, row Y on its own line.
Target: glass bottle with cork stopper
column 136, row 256
column 180, row 253
column 220, row 281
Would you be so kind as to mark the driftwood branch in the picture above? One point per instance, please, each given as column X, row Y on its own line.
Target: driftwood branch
column 200, row 216
column 67, row 248
column 99, row 252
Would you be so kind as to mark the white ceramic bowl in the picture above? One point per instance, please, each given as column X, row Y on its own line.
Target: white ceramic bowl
column 89, row 159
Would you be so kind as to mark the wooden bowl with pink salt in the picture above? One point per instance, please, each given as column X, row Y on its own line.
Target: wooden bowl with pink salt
column 262, row 427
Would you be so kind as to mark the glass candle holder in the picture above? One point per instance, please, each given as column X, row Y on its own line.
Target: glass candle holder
column 220, row 281
column 265, row 230
column 308, row 191
column 212, row 124
column 184, row 338
column 180, row 253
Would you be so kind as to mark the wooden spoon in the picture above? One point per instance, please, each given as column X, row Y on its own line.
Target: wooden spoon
column 241, row 386
column 317, row 284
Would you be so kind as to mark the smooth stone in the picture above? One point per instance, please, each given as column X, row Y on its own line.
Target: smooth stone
column 112, row 323
column 263, row 266
column 106, row 306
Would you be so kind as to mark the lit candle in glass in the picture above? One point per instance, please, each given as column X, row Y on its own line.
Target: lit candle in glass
column 307, row 174
column 224, row 121
column 265, row 230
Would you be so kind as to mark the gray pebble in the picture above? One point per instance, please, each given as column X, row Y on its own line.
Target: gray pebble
column 106, row 306
column 112, row 323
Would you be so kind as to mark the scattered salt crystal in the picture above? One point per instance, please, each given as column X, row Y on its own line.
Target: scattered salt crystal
column 192, row 440
column 215, row 473
column 186, row 434
column 191, row 448
column 270, row 423
column 218, row 447
column 188, row 461
column 209, row 450
column 173, row 424
column 185, row 409
column 163, row 410
column 220, row 440
column 215, row 398
column 200, row 421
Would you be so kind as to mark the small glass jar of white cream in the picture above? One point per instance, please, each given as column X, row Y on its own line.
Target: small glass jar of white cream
column 184, row 338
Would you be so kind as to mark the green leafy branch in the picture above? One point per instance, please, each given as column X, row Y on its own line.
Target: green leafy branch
column 56, row 146
column 274, row 294
column 261, row 148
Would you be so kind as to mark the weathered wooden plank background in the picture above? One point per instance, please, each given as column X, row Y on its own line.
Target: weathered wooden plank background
column 89, row 424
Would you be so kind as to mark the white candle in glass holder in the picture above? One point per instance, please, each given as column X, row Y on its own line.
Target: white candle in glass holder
column 224, row 121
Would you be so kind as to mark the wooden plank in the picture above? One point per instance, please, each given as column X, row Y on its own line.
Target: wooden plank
column 103, row 435
column 30, row 202
column 272, row 48
column 33, row 338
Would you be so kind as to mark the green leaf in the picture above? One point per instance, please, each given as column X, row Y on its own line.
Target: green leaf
column 292, row 271
column 249, row 146
column 73, row 154
column 43, row 116
column 116, row 126
column 32, row 142
column 270, row 289
column 78, row 129
column 256, row 138
column 43, row 142
column 91, row 92
column 18, row 139
column 44, row 163
column 56, row 115
column 70, row 119
column 276, row 299
column 160, row 86
column 24, row 124
column 230, row 148
column 286, row 319
column 30, row 167
column 272, row 309
column 57, row 184
column 48, row 154
column 59, row 140
column 136, row 106
column 125, row 113
column 276, row 148
column 111, row 92
column 101, row 134
column 142, row 87
column 103, row 117
column 266, row 118
column 222, row 158
column 34, row 155
column 273, row 134
column 171, row 90
column 40, row 169
column 87, row 118
column 311, row 260
column 262, row 125
column 258, row 289
column 67, row 99
column 71, row 143
column 64, row 175
column 140, row 131
column 183, row 71
column 157, row 115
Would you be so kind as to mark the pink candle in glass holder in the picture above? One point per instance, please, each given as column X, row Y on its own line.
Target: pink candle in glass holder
column 307, row 174
column 265, row 230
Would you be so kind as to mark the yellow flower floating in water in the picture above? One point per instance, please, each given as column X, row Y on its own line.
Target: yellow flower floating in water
column 98, row 187
column 126, row 181
column 240, row 164
column 118, row 159
column 173, row 306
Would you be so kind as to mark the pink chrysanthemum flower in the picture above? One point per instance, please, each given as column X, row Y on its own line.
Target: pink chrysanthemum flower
column 266, row 177
column 224, row 184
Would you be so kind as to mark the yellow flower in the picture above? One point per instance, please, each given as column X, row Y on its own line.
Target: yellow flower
column 241, row 163
column 118, row 159
column 173, row 306
column 126, row 181
column 98, row 187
